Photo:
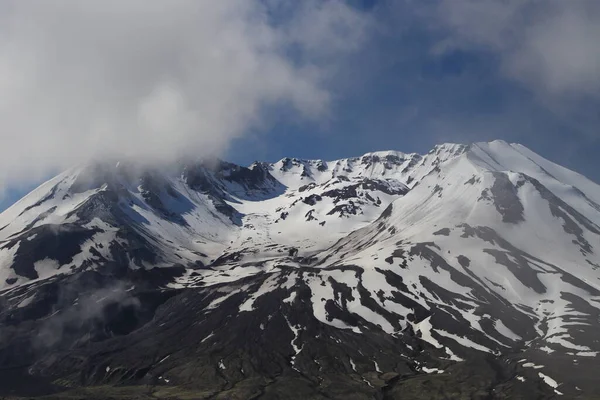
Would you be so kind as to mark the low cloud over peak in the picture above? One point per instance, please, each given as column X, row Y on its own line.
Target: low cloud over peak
column 156, row 80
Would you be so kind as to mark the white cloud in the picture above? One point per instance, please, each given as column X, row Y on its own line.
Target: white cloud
column 155, row 80
column 550, row 46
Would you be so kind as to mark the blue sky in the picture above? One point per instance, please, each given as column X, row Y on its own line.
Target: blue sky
column 415, row 74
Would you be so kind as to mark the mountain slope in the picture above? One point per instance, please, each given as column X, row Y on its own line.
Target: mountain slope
column 468, row 272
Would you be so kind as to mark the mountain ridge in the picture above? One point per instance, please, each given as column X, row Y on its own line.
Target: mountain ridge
column 470, row 271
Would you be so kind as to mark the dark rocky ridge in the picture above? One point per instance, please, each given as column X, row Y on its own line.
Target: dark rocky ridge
column 131, row 344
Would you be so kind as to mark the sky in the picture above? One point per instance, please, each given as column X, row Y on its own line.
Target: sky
column 158, row 81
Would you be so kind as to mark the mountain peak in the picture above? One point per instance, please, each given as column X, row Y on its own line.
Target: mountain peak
column 480, row 260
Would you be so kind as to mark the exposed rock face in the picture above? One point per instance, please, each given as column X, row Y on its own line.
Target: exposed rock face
column 470, row 272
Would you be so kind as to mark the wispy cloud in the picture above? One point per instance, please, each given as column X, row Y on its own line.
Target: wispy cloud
column 549, row 47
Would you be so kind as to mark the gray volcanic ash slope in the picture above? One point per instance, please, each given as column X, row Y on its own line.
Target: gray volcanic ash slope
column 468, row 272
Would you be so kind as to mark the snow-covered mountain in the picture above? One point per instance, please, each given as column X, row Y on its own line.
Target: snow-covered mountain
column 468, row 272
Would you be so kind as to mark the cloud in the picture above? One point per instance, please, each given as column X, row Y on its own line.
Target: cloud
column 91, row 312
column 157, row 80
column 551, row 47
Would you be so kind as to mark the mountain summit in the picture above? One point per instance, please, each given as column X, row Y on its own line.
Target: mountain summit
column 471, row 271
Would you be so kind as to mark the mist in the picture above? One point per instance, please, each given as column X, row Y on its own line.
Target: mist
column 89, row 308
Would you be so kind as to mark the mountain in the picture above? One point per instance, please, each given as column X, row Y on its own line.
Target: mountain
column 470, row 272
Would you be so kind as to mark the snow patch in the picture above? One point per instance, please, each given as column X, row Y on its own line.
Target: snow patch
column 352, row 364
column 377, row 366
column 426, row 328
column 432, row 370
